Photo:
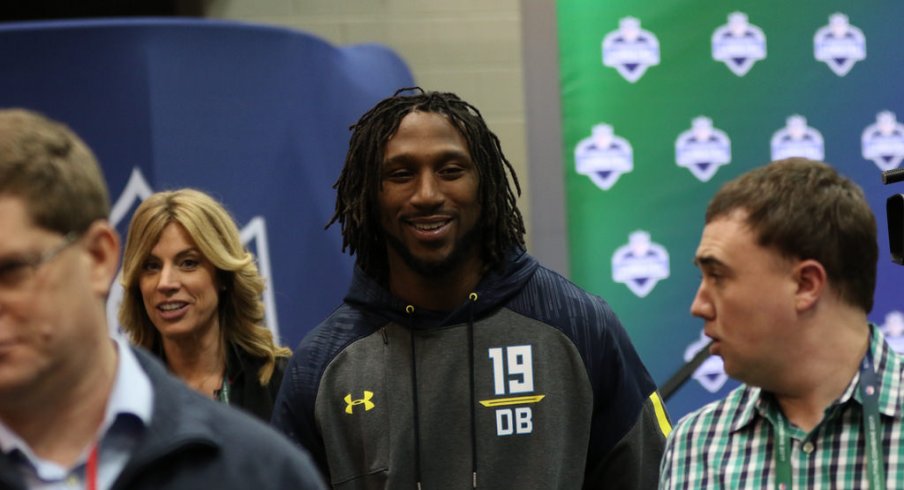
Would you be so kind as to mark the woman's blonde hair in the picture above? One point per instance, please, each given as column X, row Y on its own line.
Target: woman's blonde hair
column 241, row 312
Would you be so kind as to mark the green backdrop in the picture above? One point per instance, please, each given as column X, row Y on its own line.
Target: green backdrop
column 667, row 201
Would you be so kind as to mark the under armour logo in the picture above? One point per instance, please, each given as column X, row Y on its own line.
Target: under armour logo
column 349, row 403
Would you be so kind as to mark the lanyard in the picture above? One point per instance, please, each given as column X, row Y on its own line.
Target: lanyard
column 91, row 470
column 223, row 393
column 869, row 394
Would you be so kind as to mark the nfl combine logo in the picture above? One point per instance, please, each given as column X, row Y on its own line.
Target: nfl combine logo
column 797, row 139
column 711, row 374
column 702, row 149
column 839, row 45
column 640, row 264
column 739, row 44
column 630, row 49
column 603, row 157
column 883, row 142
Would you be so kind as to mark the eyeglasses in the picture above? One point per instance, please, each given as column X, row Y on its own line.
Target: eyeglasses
column 17, row 271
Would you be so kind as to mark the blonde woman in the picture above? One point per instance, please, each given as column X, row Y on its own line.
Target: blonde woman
column 193, row 298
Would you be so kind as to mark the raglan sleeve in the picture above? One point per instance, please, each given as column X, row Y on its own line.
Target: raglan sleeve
column 630, row 422
column 293, row 410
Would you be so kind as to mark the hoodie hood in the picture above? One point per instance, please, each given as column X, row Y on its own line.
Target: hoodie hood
column 496, row 287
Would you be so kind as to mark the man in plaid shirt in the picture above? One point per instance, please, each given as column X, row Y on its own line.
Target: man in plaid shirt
column 788, row 260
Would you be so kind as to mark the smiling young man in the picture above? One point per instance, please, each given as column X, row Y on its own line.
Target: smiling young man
column 788, row 257
column 79, row 409
column 456, row 360
column 429, row 212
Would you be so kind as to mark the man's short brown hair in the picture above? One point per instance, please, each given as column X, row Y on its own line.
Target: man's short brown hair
column 48, row 166
column 806, row 210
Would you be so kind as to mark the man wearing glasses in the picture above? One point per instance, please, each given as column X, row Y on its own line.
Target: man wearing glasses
column 77, row 408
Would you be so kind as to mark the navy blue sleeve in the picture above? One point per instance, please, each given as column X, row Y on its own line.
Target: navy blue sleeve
column 626, row 434
column 293, row 410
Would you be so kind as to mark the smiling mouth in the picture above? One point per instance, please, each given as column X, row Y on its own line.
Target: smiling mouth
column 171, row 306
column 429, row 226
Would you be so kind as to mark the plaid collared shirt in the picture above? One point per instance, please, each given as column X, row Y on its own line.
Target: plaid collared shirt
column 729, row 443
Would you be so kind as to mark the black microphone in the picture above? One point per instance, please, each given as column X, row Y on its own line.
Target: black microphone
column 893, row 175
column 684, row 373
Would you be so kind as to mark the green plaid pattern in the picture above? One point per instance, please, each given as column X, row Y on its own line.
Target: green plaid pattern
column 729, row 443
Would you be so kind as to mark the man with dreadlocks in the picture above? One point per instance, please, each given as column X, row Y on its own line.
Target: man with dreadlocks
column 456, row 359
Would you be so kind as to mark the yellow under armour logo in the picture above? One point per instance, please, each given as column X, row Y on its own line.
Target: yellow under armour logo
column 366, row 401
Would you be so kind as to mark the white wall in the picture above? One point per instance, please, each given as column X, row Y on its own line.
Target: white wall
column 470, row 47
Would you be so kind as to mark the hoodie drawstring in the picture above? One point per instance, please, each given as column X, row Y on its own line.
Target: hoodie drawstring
column 472, row 300
column 417, row 423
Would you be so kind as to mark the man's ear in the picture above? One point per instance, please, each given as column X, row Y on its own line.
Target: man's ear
column 102, row 244
column 812, row 282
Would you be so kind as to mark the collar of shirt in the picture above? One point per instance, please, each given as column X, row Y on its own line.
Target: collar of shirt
column 759, row 403
column 132, row 397
column 132, row 393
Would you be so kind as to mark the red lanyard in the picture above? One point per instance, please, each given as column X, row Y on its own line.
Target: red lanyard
column 91, row 470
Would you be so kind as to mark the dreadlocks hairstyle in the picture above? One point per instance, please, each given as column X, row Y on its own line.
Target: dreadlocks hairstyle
column 501, row 224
